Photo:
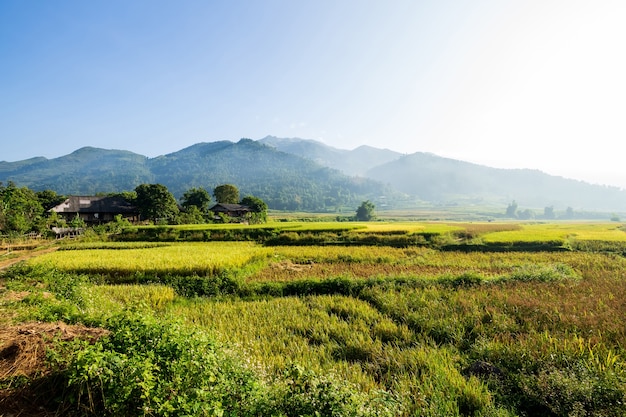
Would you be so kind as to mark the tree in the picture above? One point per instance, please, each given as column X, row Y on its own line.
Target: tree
column 526, row 214
column 259, row 209
column 191, row 215
column 20, row 210
column 196, row 197
column 49, row 198
column 548, row 212
column 227, row 194
column 155, row 202
column 365, row 212
column 511, row 210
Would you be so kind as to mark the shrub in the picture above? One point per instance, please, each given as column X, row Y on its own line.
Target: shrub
column 552, row 376
column 299, row 392
column 150, row 367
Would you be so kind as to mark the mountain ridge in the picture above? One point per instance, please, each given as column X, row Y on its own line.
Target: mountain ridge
column 304, row 174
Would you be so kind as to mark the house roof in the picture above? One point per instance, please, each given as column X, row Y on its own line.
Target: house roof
column 230, row 207
column 95, row 204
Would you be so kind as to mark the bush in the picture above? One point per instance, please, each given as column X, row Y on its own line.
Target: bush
column 147, row 367
column 550, row 376
column 299, row 392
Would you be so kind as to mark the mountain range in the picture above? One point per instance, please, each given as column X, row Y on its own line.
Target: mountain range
column 300, row 174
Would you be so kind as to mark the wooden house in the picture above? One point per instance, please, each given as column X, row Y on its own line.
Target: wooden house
column 96, row 209
column 235, row 211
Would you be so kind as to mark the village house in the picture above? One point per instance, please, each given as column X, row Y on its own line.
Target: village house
column 235, row 211
column 96, row 209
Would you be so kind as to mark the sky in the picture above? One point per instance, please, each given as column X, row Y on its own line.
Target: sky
column 537, row 84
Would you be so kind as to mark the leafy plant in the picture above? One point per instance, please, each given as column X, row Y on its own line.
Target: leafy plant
column 151, row 367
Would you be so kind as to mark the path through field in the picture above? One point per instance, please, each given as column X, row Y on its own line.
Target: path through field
column 24, row 255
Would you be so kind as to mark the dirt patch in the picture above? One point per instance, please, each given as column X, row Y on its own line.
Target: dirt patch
column 8, row 262
column 23, row 354
column 290, row 266
column 23, row 347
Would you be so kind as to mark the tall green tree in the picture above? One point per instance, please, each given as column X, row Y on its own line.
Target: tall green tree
column 366, row 211
column 49, row 198
column 196, row 197
column 155, row 202
column 259, row 209
column 20, row 209
column 226, row 193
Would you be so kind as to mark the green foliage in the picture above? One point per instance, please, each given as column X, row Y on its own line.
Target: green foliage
column 49, row 198
column 226, row 193
column 300, row 392
column 160, row 367
column 196, row 197
column 552, row 376
column 155, row 202
column 52, row 295
column 259, row 209
column 191, row 215
column 154, row 367
column 77, row 222
column 20, row 209
column 544, row 273
column 365, row 212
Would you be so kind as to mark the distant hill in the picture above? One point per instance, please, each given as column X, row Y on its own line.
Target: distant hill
column 355, row 162
column 85, row 171
column 299, row 174
column 436, row 179
column 431, row 178
column 283, row 180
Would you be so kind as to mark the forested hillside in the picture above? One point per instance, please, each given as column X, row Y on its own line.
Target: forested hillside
column 86, row 171
column 355, row 162
column 297, row 174
column 284, row 181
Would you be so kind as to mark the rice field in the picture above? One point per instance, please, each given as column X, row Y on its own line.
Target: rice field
column 175, row 258
column 610, row 232
column 485, row 333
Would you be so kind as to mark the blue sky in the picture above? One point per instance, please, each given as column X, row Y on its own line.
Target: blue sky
column 516, row 84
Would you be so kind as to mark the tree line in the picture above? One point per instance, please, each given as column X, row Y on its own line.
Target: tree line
column 549, row 213
column 155, row 203
column 23, row 210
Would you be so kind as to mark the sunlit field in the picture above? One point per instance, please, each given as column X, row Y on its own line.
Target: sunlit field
column 560, row 231
column 174, row 258
column 453, row 325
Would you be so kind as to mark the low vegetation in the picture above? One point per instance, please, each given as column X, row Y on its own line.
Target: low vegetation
column 458, row 320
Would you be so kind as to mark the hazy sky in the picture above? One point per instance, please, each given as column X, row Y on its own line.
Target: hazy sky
column 521, row 84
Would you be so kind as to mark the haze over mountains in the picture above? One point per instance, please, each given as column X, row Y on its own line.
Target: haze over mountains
column 298, row 174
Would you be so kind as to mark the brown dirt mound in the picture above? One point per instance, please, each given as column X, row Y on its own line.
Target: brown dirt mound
column 23, row 354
